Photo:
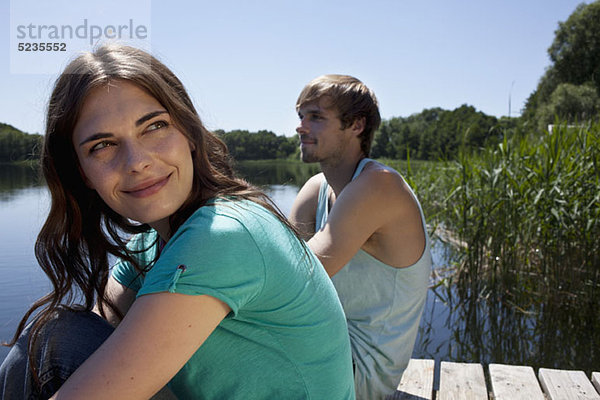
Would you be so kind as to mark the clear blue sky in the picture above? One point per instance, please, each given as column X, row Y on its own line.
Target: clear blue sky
column 244, row 62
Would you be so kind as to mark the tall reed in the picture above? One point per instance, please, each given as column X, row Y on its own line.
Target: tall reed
column 527, row 284
column 529, row 211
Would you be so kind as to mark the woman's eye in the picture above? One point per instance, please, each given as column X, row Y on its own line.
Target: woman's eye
column 157, row 125
column 100, row 145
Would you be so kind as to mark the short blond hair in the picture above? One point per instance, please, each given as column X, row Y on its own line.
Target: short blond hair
column 352, row 100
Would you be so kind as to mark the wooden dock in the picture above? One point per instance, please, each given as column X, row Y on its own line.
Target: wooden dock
column 466, row 381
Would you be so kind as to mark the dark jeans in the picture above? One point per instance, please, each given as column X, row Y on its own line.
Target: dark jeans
column 66, row 341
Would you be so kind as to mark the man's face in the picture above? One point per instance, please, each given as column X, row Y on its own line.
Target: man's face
column 322, row 138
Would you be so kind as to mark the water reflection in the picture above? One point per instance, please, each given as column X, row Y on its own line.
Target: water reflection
column 512, row 326
column 23, row 207
column 277, row 172
column 16, row 177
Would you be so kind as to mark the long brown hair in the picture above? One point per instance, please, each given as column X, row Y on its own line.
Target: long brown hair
column 81, row 230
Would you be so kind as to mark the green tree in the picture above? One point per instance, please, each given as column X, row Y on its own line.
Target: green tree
column 435, row 133
column 575, row 51
column 261, row 145
column 382, row 146
column 575, row 56
column 16, row 145
column 570, row 103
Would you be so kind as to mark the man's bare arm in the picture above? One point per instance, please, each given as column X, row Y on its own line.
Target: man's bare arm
column 304, row 209
column 365, row 206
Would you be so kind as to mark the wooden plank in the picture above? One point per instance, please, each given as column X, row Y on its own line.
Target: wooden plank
column 596, row 380
column 461, row 381
column 565, row 385
column 416, row 382
column 510, row 382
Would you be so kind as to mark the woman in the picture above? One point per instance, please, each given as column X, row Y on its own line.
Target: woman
column 220, row 297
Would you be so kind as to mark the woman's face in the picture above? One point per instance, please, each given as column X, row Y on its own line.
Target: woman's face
column 131, row 153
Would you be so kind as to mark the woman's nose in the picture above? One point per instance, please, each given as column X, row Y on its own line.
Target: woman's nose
column 137, row 158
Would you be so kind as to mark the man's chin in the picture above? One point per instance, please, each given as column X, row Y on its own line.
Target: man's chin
column 308, row 158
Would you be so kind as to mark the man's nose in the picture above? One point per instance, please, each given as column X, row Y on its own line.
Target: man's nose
column 301, row 128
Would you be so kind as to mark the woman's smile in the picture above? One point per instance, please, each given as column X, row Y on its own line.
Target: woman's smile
column 148, row 188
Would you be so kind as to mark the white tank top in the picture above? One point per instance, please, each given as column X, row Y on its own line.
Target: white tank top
column 383, row 306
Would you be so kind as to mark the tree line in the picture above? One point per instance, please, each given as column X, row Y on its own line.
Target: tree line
column 16, row 145
column 432, row 134
column 261, row 145
column 437, row 134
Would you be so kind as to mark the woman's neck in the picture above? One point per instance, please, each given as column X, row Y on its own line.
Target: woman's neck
column 163, row 228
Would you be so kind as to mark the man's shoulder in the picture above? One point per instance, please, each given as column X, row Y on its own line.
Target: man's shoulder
column 381, row 189
column 315, row 180
column 313, row 185
column 376, row 176
column 304, row 210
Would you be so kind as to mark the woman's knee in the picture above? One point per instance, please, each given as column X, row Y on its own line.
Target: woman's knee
column 61, row 345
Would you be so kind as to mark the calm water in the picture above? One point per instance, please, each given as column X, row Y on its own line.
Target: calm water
column 24, row 204
column 454, row 327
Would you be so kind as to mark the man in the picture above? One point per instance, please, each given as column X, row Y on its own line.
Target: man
column 367, row 228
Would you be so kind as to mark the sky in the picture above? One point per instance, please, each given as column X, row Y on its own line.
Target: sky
column 245, row 62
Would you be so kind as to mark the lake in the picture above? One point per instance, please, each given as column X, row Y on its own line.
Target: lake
column 454, row 327
column 24, row 204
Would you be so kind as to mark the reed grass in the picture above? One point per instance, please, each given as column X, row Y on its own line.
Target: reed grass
column 529, row 211
column 528, row 276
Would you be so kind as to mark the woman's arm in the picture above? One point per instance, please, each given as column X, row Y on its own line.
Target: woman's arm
column 121, row 296
column 156, row 338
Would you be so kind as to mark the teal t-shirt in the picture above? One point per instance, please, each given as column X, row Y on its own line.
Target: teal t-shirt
column 286, row 337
